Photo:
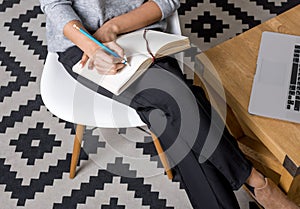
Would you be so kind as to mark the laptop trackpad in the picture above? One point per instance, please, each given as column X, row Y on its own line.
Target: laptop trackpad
column 272, row 72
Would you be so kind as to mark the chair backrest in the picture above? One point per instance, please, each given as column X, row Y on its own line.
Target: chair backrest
column 71, row 101
column 174, row 24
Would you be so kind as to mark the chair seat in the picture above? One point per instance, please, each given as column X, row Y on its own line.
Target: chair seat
column 71, row 101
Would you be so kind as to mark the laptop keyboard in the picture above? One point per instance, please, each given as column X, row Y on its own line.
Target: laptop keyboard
column 293, row 102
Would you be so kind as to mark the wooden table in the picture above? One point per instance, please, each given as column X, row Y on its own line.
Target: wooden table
column 272, row 145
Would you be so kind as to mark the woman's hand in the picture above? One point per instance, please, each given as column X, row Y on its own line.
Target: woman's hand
column 105, row 63
column 107, row 32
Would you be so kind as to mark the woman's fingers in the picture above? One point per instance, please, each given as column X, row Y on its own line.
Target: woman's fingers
column 105, row 63
column 115, row 47
column 84, row 59
column 108, row 68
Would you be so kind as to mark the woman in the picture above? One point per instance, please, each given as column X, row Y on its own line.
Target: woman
column 209, row 184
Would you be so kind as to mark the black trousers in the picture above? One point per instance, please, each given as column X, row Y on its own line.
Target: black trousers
column 188, row 128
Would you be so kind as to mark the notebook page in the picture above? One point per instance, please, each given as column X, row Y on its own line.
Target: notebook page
column 112, row 82
column 134, row 43
column 158, row 40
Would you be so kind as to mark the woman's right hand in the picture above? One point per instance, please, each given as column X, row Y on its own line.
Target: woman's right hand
column 103, row 62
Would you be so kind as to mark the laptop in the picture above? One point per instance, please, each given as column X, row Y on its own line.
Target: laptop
column 276, row 86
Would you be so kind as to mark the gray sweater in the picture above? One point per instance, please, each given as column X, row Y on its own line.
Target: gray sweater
column 92, row 14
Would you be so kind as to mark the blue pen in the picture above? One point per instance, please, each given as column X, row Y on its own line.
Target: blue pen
column 108, row 50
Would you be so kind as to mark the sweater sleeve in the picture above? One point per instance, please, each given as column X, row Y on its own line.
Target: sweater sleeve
column 59, row 12
column 167, row 7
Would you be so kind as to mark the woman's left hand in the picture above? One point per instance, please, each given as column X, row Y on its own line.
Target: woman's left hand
column 107, row 32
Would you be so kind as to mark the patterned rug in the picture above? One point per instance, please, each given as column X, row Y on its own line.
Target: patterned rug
column 36, row 146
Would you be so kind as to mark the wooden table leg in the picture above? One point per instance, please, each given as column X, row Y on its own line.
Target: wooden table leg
column 291, row 185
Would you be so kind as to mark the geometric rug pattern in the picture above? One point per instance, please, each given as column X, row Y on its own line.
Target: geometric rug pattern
column 210, row 22
column 36, row 146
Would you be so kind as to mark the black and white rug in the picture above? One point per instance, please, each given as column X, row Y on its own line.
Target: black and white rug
column 36, row 146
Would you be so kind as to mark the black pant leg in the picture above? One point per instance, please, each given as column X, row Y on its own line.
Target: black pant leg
column 221, row 186
column 227, row 158
column 206, row 186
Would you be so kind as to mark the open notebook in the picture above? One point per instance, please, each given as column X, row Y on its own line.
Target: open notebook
column 135, row 47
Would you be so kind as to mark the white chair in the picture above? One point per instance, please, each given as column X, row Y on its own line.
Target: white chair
column 69, row 100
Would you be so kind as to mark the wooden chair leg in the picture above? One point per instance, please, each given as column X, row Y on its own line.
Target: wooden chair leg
column 162, row 156
column 76, row 149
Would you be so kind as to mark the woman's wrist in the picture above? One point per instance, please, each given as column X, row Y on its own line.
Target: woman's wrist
column 90, row 49
column 113, row 26
column 79, row 39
